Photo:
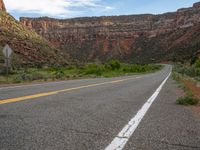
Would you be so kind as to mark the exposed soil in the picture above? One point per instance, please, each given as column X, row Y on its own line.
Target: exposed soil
column 195, row 90
column 193, row 87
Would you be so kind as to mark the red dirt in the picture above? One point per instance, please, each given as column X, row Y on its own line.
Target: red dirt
column 193, row 87
column 196, row 91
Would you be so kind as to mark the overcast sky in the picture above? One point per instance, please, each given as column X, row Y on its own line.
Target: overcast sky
column 79, row 8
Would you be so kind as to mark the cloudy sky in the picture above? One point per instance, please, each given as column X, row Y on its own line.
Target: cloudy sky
column 79, row 8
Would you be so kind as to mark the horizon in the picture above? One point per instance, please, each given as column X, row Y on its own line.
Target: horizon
column 66, row 9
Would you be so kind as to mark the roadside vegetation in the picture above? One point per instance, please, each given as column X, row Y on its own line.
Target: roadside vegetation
column 112, row 68
column 188, row 77
column 187, row 100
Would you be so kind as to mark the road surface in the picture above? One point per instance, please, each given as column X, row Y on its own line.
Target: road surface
column 132, row 112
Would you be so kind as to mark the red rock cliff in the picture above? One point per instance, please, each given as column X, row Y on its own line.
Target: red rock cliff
column 121, row 37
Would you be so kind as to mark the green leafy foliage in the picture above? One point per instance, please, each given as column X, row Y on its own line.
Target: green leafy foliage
column 114, row 64
column 111, row 69
column 191, row 71
column 197, row 63
column 93, row 69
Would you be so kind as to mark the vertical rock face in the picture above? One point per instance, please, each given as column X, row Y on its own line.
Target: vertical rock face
column 138, row 38
column 2, row 6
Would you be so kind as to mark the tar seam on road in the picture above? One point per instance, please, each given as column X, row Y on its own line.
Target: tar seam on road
column 122, row 138
column 12, row 100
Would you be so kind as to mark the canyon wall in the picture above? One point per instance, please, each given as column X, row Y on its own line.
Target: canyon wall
column 134, row 38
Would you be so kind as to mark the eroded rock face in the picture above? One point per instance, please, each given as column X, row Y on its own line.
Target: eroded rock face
column 2, row 6
column 120, row 37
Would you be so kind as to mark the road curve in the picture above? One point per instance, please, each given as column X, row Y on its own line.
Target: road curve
column 90, row 113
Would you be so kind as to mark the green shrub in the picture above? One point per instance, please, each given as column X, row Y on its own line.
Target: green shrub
column 187, row 100
column 191, row 71
column 198, row 72
column 21, row 76
column 197, row 63
column 93, row 69
column 59, row 74
column 114, row 64
column 110, row 69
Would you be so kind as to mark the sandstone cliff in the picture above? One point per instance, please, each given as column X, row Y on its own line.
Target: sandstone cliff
column 124, row 37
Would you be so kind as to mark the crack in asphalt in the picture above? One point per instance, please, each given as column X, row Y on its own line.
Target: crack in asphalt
column 180, row 145
column 87, row 132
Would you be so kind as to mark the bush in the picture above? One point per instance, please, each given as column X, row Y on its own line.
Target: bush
column 190, row 71
column 187, row 100
column 93, row 69
column 114, row 64
column 110, row 69
column 21, row 76
column 198, row 72
column 59, row 73
column 197, row 63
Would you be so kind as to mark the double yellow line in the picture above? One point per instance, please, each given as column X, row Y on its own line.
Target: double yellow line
column 12, row 100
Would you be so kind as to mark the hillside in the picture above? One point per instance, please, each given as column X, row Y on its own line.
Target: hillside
column 29, row 47
column 134, row 38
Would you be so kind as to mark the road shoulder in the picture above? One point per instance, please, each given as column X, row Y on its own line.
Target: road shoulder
column 167, row 125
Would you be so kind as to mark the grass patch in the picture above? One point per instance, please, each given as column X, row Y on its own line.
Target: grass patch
column 112, row 68
column 187, row 100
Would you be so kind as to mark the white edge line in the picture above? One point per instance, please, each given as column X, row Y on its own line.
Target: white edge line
column 122, row 138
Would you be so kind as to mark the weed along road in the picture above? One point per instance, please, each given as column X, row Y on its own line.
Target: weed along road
column 132, row 112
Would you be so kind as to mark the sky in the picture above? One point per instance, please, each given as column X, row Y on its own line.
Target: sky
column 82, row 8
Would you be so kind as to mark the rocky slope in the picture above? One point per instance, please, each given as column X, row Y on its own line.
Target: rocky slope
column 29, row 47
column 136, row 38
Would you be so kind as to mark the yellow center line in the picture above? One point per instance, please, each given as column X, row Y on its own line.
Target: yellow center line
column 12, row 100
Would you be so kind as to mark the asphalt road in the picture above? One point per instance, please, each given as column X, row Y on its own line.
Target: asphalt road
column 89, row 114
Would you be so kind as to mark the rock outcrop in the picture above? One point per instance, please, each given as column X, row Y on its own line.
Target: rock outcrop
column 2, row 6
column 135, row 38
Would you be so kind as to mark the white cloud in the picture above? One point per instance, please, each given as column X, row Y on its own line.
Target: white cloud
column 55, row 8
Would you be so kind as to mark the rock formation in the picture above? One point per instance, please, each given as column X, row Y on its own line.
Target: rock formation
column 2, row 6
column 135, row 38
